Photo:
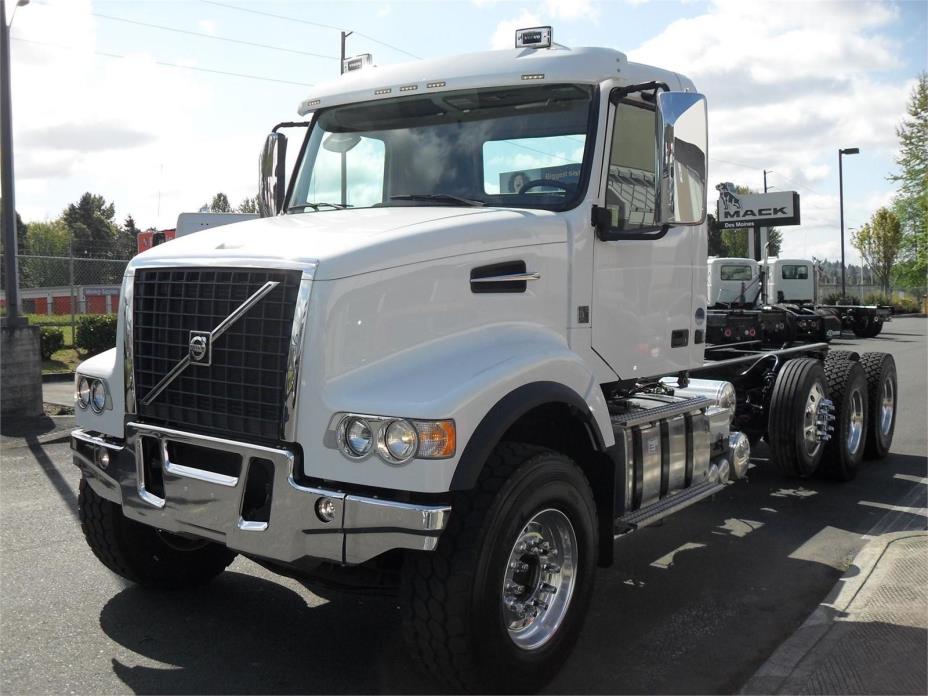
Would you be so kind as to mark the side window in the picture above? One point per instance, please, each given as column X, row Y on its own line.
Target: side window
column 733, row 272
column 795, row 272
column 631, row 179
column 364, row 168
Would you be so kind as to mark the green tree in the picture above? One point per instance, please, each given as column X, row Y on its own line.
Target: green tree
column 90, row 222
column 126, row 239
column 911, row 201
column 220, row 204
column 49, row 238
column 249, row 205
column 879, row 242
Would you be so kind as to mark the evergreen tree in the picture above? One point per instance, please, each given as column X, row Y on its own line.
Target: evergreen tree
column 90, row 222
column 911, row 202
column 249, row 205
column 220, row 204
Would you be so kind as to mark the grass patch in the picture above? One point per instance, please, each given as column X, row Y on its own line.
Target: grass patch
column 64, row 360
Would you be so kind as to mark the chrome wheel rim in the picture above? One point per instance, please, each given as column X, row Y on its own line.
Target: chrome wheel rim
column 855, row 429
column 887, row 407
column 539, row 580
column 811, row 419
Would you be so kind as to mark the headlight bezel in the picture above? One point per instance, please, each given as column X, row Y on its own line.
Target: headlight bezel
column 96, row 384
column 384, row 447
column 431, row 439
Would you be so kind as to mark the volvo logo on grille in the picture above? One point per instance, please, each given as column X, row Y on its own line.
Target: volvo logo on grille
column 200, row 348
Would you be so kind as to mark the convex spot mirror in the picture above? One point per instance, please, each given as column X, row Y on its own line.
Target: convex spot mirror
column 682, row 141
column 272, row 175
column 341, row 142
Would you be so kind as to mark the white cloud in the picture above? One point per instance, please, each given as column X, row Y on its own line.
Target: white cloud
column 574, row 9
column 787, row 86
column 384, row 11
column 208, row 26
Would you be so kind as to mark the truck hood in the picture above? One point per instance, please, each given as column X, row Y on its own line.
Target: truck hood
column 349, row 242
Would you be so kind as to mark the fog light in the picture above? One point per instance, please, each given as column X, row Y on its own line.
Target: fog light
column 325, row 509
column 103, row 458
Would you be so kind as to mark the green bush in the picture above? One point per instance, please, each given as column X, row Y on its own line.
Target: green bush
column 95, row 333
column 905, row 305
column 50, row 341
column 875, row 298
column 835, row 298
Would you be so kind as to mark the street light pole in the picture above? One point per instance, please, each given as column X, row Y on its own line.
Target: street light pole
column 841, row 152
column 8, row 219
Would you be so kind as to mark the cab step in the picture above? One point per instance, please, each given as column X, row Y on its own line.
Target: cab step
column 662, row 508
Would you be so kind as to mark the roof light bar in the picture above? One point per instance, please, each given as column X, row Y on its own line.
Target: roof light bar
column 534, row 37
column 433, row 85
column 357, row 62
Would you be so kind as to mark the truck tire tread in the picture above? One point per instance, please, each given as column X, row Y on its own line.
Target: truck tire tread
column 782, row 436
column 877, row 366
column 137, row 553
column 838, row 463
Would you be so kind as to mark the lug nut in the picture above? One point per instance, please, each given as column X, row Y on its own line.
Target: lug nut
column 547, row 587
column 538, row 604
column 519, row 566
column 551, row 568
column 514, row 588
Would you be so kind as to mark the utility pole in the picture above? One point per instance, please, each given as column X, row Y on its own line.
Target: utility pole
column 10, row 265
column 845, row 151
column 344, row 158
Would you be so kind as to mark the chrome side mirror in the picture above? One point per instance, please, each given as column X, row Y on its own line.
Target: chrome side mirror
column 272, row 175
column 682, row 141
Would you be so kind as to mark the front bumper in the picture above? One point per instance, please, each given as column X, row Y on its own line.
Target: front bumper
column 211, row 505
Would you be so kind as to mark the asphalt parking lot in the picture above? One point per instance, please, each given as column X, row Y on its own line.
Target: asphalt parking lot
column 694, row 605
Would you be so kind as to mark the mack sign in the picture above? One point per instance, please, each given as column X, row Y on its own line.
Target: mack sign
column 737, row 210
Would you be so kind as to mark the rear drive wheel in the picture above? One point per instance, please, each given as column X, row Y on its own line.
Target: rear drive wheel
column 833, row 355
column 847, row 386
column 798, row 405
column 499, row 604
column 143, row 554
column 882, row 390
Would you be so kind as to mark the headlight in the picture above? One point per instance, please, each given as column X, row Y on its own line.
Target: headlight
column 394, row 440
column 400, row 441
column 97, row 395
column 356, row 437
column 83, row 392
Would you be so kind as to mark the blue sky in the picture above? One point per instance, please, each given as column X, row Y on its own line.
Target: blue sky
column 788, row 83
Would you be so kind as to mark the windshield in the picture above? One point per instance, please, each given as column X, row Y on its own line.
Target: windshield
column 512, row 146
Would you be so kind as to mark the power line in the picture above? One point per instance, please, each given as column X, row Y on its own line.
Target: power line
column 204, row 35
column 306, row 21
column 784, row 179
column 167, row 64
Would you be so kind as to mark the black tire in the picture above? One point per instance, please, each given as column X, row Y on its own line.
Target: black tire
column 143, row 554
column 833, row 355
column 847, row 389
column 862, row 327
column 794, row 384
column 875, row 328
column 454, row 620
column 880, row 369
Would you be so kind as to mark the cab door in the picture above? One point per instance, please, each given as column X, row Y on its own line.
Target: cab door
column 645, row 314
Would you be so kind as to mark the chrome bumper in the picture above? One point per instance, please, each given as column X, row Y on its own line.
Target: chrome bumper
column 209, row 505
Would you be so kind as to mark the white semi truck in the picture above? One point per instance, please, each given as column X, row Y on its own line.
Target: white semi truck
column 461, row 356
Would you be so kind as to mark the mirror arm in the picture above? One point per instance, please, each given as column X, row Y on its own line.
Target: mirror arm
column 290, row 124
column 619, row 93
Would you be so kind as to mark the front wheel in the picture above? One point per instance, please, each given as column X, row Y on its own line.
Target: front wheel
column 143, row 554
column 500, row 603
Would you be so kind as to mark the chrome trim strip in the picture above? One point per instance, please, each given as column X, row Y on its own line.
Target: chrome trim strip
column 199, row 474
column 205, row 440
column 249, row 526
column 83, row 436
column 295, row 356
column 128, row 292
column 510, row 278
column 223, row 326
column 149, row 498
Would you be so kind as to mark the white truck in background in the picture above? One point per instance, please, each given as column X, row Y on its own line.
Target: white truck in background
column 460, row 357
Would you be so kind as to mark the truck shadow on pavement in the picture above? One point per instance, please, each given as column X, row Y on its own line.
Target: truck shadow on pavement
column 244, row 634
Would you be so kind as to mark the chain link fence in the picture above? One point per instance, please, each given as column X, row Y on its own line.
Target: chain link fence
column 56, row 290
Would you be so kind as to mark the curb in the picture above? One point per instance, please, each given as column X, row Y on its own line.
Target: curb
column 57, row 377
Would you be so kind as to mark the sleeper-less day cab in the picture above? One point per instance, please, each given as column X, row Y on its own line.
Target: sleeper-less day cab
column 455, row 359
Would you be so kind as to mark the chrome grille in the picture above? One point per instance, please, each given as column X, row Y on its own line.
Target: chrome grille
column 243, row 390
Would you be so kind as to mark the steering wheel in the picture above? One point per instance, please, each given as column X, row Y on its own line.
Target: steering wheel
column 568, row 188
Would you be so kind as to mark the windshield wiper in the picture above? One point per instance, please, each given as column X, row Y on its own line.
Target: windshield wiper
column 442, row 197
column 316, row 206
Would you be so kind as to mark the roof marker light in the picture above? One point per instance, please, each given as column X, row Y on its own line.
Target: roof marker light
column 357, row 62
column 433, row 85
column 386, row 90
column 409, row 88
column 534, row 37
column 533, row 76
